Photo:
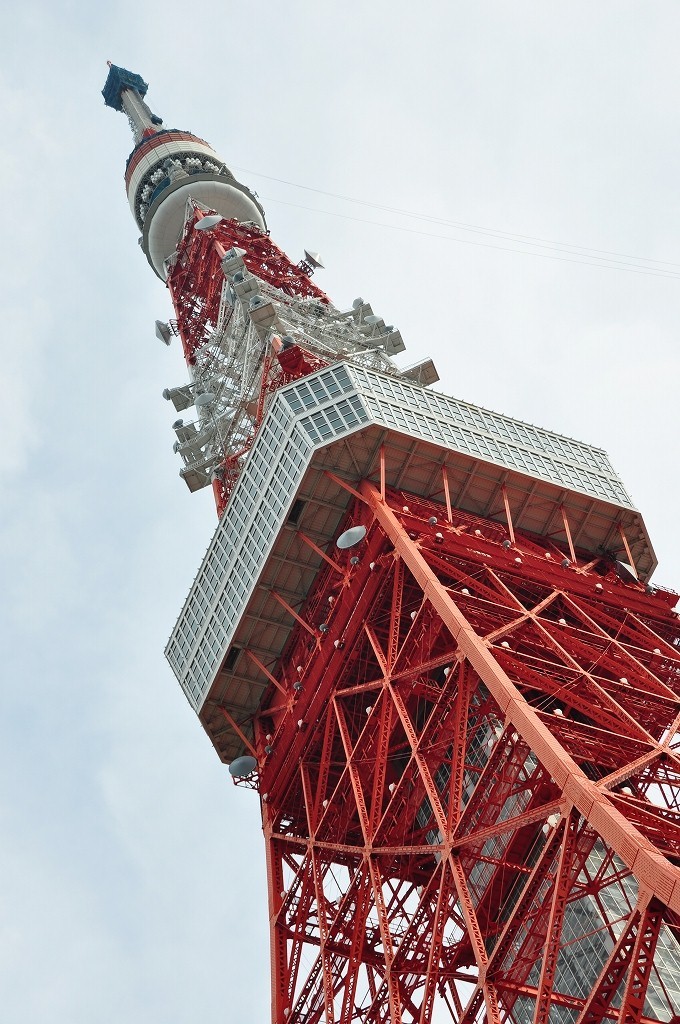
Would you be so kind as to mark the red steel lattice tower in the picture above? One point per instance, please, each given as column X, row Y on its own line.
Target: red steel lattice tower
column 425, row 634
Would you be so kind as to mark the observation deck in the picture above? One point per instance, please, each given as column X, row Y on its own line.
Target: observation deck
column 345, row 424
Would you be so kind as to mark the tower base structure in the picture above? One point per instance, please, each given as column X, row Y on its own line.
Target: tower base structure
column 463, row 726
column 470, row 817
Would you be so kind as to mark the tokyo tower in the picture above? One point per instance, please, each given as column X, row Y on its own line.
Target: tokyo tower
column 424, row 634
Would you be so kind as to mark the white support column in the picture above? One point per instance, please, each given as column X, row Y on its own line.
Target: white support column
column 139, row 113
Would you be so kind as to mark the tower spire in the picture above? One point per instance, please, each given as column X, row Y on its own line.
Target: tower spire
column 142, row 119
column 255, row 321
column 166, row 168
column 125, row 91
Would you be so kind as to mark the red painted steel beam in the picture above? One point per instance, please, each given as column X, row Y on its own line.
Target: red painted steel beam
column 431, row 821
column 652, row 868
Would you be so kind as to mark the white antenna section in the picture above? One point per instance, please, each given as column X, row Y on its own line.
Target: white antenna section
column 254, row 319
column 139, row 114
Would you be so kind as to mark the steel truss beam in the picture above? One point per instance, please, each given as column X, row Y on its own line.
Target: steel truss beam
column 441, row 843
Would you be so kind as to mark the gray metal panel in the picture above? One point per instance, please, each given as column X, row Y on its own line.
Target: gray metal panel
column 490, row 436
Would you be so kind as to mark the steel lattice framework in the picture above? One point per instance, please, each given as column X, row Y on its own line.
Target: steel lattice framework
column 467, row 762
column 468, row 769
column 476, row 784
column 232, row 289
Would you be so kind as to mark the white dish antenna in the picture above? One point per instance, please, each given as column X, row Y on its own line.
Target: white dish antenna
column 163, row 332
column 626, row 572
column 350, row 538
column 206, row 398
column 314, row 260
column 242, row 766
column 206, row 223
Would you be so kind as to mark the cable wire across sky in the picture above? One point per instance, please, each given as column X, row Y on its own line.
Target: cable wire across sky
column 572, row 253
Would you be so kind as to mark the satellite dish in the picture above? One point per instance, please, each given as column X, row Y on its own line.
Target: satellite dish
column 357, row 302
column 626, row 572
column 372, row 320
column 163, row 332
column 351, row 537
column 314, row 259
column 206, row 223
column 204, row 399
column 177, row 424
column 242, row 766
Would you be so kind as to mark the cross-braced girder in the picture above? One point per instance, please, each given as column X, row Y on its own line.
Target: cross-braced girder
column 250, row 321
column 471, row 792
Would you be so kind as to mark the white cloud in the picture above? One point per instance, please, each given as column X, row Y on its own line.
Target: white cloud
column 134, row 869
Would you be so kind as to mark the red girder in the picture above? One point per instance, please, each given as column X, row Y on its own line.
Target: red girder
column 196, row 283
column 632, row 954
column 195, row 280
column 562, row 887
column 434, row 829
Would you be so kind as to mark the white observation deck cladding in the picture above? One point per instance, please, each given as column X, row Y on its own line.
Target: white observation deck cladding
column 338, row 418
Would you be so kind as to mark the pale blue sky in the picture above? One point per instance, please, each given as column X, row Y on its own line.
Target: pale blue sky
column 132, row 871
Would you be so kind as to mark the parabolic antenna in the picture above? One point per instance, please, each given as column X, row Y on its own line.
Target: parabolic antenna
column 204, row 399
column 163, row 332
column 372, row 319
column 351, row 537
column 626, row 572
column 314, row 259
column 206, row 223
column 242, row 766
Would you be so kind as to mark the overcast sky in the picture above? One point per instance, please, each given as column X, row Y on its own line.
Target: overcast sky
column 132, row 873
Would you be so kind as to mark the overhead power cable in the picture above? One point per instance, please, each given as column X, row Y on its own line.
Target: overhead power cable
column 580, row 254
column 585, row 261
